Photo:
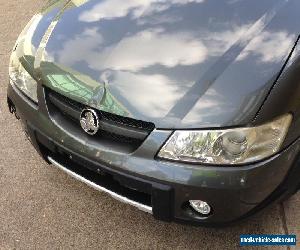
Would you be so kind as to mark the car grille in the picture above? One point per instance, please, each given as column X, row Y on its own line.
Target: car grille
column 115, row 130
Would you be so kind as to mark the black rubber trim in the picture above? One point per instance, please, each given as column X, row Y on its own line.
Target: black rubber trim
column 159, row 196
column 162, row 198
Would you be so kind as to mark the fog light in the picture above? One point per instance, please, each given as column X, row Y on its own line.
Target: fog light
column 200, row 206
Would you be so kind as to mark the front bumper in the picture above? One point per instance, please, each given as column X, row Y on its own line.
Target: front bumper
column 162, row 188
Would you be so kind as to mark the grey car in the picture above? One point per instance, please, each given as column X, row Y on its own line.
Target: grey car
column 186, row 109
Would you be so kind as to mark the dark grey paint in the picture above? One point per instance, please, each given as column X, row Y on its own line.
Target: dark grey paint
column 285, row 97
column 244, row 187
column 238, row 84
column 179, row 64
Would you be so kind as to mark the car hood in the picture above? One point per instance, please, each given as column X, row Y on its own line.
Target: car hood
column 177, row 63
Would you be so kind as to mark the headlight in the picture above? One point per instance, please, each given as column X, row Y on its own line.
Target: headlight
column 230, row 146
column 22, row 79
column 17, row 73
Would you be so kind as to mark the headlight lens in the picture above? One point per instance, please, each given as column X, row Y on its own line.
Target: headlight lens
column 17, row 73
column 22, row 79
column 230, row 146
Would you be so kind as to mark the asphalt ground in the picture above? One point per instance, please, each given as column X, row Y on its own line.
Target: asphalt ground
column 43, row 208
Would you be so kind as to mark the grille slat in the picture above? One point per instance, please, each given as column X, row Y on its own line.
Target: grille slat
column 112, row 127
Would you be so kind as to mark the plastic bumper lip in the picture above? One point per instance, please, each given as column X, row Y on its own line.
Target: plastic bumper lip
column 232, row 192
column 114, row 195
